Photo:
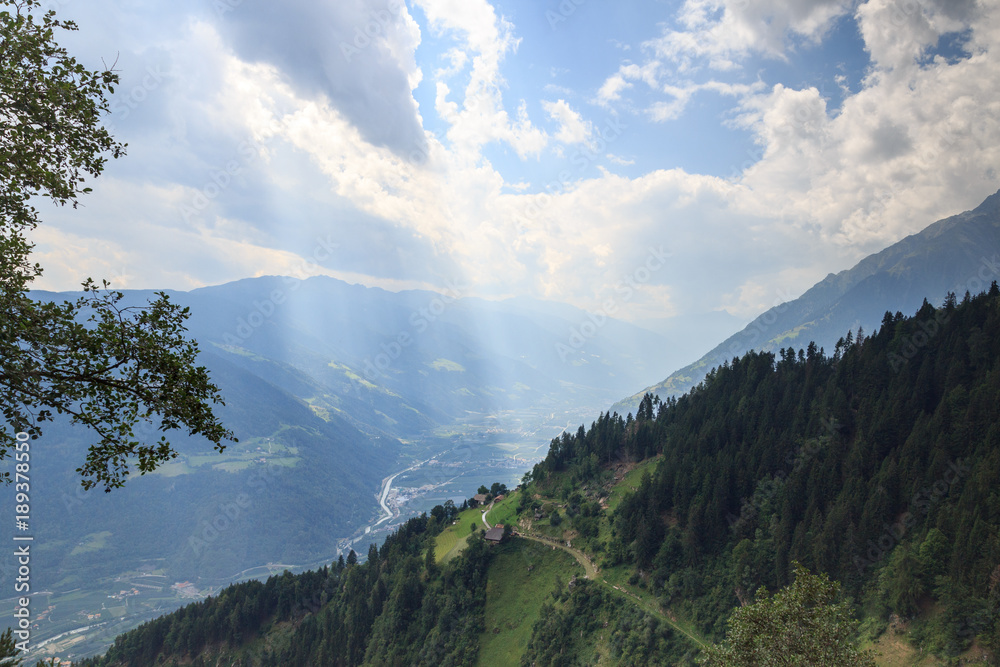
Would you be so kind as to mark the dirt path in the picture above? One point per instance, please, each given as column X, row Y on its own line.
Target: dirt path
column 592, row 572
column 581, row 557
column 651, row 609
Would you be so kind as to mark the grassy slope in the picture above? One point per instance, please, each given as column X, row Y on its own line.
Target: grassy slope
column 892, row 651
column 504, row 511
column 452, row 540
column 514, row 596
column 631, row 482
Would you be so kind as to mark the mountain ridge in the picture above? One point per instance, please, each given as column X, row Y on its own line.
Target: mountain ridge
column 955, row 254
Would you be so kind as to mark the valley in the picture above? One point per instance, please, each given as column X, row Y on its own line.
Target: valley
column 83, row 616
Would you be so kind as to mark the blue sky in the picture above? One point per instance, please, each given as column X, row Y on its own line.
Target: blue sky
column 530, row 148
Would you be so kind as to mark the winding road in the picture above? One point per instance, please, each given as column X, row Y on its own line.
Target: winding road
column 387, row 487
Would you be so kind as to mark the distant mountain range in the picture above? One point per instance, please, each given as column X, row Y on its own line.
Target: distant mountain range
column 417, row 359
column 330, row 388
column 957, row 254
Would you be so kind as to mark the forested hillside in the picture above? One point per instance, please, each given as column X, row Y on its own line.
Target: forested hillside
column 876, row 465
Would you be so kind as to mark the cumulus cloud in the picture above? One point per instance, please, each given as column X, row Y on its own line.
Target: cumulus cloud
column 917, row 142
column 358, row 54
column 481, row 117
column 722, row 32
column 611, row 89
column 573, row 129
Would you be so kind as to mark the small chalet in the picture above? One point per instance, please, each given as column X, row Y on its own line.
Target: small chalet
column 495, row 534
column 480, row 498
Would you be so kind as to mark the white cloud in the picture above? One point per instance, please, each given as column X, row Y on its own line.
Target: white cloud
column 481, row 117
column 611, row 90
column 661, row 81
column 916, row 143
column 358, row 54
column 613, row 87
column 896, row 33
column 721, row 32
column 621, row 161
column 572, row 128
column 457, row 59
column 681, row 95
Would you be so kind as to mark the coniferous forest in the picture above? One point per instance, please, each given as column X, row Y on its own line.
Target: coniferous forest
column 876, row 464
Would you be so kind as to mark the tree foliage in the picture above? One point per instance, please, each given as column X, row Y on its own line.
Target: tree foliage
column 388, row 610
column 806, row 623
column 9, row 655
column 103, row 364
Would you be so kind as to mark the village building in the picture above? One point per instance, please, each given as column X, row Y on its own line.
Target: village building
column 495, row 534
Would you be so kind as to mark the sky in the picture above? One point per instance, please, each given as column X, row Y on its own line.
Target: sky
column 656, row 159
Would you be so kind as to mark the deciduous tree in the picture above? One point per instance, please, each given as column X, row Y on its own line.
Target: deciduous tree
column 806, row 623
column 103, row 364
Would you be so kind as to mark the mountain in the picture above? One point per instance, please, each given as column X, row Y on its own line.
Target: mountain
column 331, row 389
column 441, row 354
column 957, row 254
column 637, row 538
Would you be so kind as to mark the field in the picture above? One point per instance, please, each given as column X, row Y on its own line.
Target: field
column 505, row 511
column 453, row 539
column 521, row 579
column 236, row 458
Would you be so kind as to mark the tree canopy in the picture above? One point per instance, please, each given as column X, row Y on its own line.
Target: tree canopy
column 101, row 363
column 805, row 623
